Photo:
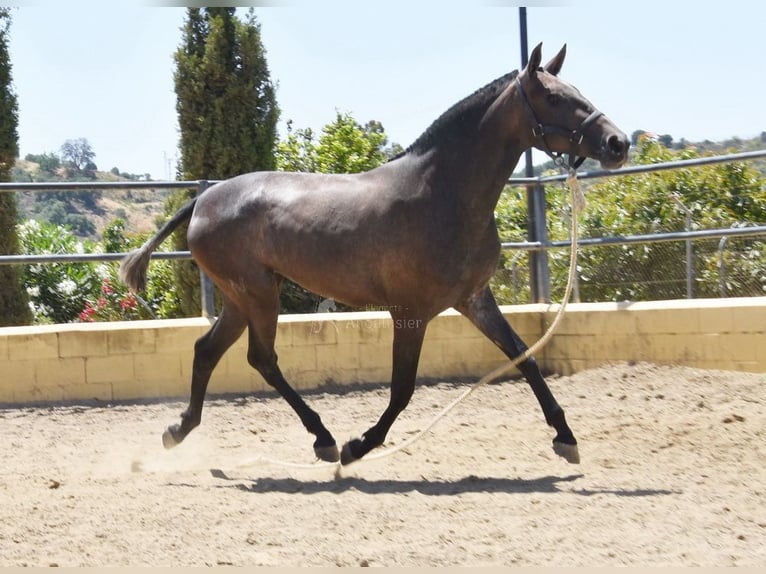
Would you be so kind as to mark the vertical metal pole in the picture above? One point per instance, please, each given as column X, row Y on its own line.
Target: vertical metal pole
column 207, row 299
column 539, row 272
column 689, row 261
column 689, row 249
column 722, row 266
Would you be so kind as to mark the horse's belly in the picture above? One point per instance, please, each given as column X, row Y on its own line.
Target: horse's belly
column 333, row 269
column 423, row 288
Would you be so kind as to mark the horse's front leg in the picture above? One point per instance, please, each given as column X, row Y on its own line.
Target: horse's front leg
column 408, row 341
column 482, row 310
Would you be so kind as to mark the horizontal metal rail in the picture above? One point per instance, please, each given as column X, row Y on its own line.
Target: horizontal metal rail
column 93, row 185
column 631, row 239
column 753, row 231
column 635, row 169
column 83, row 257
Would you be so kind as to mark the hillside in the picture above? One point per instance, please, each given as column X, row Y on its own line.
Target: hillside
column 88, row 212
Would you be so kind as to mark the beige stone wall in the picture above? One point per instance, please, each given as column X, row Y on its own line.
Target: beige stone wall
column 114, row 361
column 727, row 334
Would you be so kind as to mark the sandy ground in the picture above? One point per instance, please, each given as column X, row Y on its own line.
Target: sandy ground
column 673, row 472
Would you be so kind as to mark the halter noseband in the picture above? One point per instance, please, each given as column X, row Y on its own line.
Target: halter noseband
column 575, row 136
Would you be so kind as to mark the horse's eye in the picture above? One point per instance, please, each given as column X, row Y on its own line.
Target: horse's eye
column 553, row 99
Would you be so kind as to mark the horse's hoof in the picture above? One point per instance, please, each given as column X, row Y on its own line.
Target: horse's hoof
column 169, row 438
column 346, row 455
column 567, row 451
column 327, row 453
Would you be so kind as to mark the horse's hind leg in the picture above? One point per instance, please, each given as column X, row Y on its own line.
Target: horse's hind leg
column 263, row 309
column 482, row 310
column 408, row 342
column 208, row 350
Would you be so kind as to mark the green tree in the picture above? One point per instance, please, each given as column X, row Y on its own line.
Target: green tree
column 343, row 146
column 227, row 113
column 636, row 136
column 14, row 308
column 78, row 155
column 666, row 140
column 348, row 147
column 48, row 162
column 297, row 152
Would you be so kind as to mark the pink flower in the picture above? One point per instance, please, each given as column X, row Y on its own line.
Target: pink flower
column 86, row 315
column 128, row 303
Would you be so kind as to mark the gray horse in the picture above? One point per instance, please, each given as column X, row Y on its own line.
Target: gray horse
column 416, row 236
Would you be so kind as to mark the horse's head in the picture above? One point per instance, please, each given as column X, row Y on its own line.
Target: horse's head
column 562, row 121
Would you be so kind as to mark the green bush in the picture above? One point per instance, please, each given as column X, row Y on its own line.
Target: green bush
column 57, row 291
column 87, row 292
column 717, row 196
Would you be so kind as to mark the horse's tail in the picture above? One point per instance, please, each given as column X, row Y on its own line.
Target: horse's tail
column 135, row 264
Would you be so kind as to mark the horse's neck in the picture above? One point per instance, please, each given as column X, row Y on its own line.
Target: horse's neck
column 477, row 168
column 464, row 171
column 473, row 179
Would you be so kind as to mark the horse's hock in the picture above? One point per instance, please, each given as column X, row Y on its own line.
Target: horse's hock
column 151, row 359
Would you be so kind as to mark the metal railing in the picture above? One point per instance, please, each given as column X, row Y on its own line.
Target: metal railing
column 535, row 183
column 540, row 289
column 708, row 263
column 207, row 302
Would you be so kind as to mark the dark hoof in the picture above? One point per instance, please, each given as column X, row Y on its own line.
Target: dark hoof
column 327, row 453
column 347, row 455
column 172, row 437
column 568, row 451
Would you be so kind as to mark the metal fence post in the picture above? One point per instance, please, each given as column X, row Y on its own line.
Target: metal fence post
column 207, row 297
column 722, row 266
column 689, row 248
column 539, row 270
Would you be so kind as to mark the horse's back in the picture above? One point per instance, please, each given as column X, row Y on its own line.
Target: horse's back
column 315, row 229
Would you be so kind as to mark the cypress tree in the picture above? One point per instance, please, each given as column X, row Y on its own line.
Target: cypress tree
column 227, row 114
column 14, row 308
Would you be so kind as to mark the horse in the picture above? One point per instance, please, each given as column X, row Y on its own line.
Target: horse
column 415, row 236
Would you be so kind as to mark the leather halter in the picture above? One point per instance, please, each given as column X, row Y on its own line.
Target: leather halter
column 575, row 136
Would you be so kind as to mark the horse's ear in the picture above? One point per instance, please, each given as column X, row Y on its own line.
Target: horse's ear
column 554, row 66
column 534, row 60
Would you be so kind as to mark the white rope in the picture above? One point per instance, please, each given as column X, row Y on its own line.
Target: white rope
column 577, row 199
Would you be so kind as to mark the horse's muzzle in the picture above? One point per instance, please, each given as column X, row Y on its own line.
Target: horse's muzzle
column 614, row 150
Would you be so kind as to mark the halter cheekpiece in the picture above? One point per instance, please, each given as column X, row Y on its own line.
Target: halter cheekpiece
column 575, row 136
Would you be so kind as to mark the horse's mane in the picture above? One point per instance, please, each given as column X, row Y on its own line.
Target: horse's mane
column 464, row 114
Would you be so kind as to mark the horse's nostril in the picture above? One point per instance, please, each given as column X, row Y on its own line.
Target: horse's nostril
column 616, row 145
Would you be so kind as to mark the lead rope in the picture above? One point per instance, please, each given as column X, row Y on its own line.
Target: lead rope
column 577, row 199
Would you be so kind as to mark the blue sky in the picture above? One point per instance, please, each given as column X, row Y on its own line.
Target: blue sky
column 104, row 70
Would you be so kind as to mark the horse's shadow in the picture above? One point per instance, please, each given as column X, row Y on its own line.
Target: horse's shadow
column 438, row 487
